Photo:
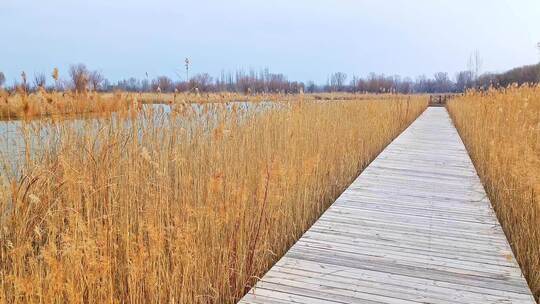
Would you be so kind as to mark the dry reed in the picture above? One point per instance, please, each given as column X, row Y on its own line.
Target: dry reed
column 191, row 207
column 23, row 105
column 501, row 130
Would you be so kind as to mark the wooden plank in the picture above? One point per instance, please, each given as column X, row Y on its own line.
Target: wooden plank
column 408, row 290
column 328, row 271
column 415, row 227
column 422, row 264
column 398, row 238
column 424, row 247
column 408, row 254
column 419, row 220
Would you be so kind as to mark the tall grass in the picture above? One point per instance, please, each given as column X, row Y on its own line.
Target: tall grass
column 191, row 207
column 501, row 129
column 23, row 105
column 221, row 97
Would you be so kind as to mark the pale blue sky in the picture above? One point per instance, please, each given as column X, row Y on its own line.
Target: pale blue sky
column 305, row 39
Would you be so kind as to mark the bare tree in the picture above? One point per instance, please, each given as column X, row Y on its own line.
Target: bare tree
column 96, row 79
column 443, row 84
column 40, row 80
column 201, row 81
column 464, row 81
column 79, row 77
column 475, row 64
column 337, row 81
column 2, row 79
column 145, row 85
column 353, row 84
column 131, row 85
column 163, row 84
column 311, row 87
column 538, row 46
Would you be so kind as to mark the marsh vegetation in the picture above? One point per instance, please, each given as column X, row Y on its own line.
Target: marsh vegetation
column 185, row 205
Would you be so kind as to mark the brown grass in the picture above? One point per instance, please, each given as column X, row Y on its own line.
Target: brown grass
column 44, row 104
column 501, row 129
column 20, row 105
column 222, row 97
column 191, row 208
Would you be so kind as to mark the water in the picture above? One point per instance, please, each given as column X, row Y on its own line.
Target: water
column 45, row 134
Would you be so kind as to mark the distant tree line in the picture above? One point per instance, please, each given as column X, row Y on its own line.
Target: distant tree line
column 524, row 74
column 439, row 83
column 81, row 79
column 240, row 81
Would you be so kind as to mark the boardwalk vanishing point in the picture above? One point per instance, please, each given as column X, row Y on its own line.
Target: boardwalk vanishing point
column 415, row 227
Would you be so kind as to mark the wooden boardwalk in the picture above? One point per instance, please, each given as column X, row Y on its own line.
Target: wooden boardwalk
column 414, row 227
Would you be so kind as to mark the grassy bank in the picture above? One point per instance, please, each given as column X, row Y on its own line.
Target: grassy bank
column 501, row 130
column 188, row 208
column 36, row 105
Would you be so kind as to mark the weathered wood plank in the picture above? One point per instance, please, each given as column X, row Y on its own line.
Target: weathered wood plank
column 415, row 227
column 328, row 271
column 398, row 243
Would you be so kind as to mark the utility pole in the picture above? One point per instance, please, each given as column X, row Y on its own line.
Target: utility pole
column 538, row 68
column 187, row 69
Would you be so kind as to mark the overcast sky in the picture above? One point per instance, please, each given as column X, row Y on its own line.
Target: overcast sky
column 305, row 39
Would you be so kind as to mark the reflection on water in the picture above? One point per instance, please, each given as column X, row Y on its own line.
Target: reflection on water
column 17, row 137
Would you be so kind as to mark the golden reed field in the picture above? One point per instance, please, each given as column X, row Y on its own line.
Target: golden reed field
column 501, row 130
column 42, row 103
column 189, row 207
